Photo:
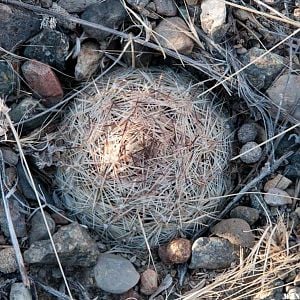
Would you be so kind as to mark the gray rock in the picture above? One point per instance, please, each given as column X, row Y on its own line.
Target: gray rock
column 38, row 229
column 277, row 197
column 285, row 94
column 50, row 47
column 212, row 253
column 26, row 109
column 73, row 244
column 248, row 214
column 115, row 274
column 109, row 13
column 236, row 231
column 294, row 293
column 8, row 261
column 19, row 291
column 264, row 71
column 9, row 156
column 170, row 33
column 247, row 133
column 17, row 26
column 144, row 7
column 46, row 3
column 63, row 21
column 8, row 78
column 17, row 216
column 75, row 6
column 252, row 156
column 166, row 7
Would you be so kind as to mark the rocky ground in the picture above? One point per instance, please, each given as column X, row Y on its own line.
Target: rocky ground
column 45, row 58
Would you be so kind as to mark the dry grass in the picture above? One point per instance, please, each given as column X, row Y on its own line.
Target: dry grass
column 142, row 145
column 271, row 258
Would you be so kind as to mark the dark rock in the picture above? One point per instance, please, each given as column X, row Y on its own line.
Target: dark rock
column 46, row 3
column 8, row 78
column 109, row 13
column 249, row 214
column 212, row 253
column 76, row 6
column 166, row 7
column 264, row 71
column 26, row 109
column 73, row 244
column 19, row 291
column 17, row 26
column 247, row 133
column 115, row 274
column 17, row 216
column 142, row 56
column 50, row 47
column 9, row 156
column 38, row 229
column 43, row 82
column 236, row 231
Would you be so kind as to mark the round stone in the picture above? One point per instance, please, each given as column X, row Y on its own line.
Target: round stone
column 252, row 156
column 247, row 133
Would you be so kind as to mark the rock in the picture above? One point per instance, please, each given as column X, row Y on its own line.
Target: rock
column 248, row 214
column 11, row 176
column 75, row 6
column 17, row 26
column 18, row 218
column 46, row 3
column 171, row 33
column 109, row 13
column 88, row 60
column 277, row 197
column 144, row 7
column 26, row 109
column 296, row 14
column 263, row 71
column 149, row 282
column 73, row 244
column 162, row 253
column 279, row 182
column 131, row 295
column 177, row 251
column 213, row 18
column 292, row 170
column 212, row 253
column 63, row 21
column 273, row 292
column 294, row 293
column 8, row 261
column 166, row 7
column 19, row 291
column 43, row 82
column 252, row 156
column 59, row 219
column 285, row 94
column 192, row 2
column 247, row 133
column 115, row 274
column 50, row 47
column 38, row 229
column 9, row 80
column 9, row 156
column 236, row 231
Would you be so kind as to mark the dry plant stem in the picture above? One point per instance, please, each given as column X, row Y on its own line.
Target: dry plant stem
column 11, row 228
column 265, row 171
column 4, row 110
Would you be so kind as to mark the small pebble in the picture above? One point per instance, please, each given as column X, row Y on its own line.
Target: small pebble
column 165, row 7
column 277, row 197
column 171, row 34
column 19, row 291
column 241, row 50
column 247, row 133
column 46, row 3
column 130, row 295
column 115, row 274
column 43, row 82
column 279, row 182
column 212, row 253
column 149, row 282
column 236, row 231
column 249, row 214
column 8, row 262
column 252, row 156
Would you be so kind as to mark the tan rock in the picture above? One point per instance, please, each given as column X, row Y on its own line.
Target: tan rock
column 8, row 262
column 149, row 282
column 173, row 33
column 280, row 182
column 236, row 231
